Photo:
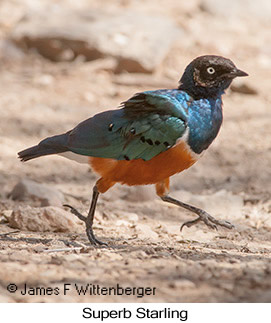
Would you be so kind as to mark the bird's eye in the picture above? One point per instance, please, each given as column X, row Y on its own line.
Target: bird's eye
column 210, row 70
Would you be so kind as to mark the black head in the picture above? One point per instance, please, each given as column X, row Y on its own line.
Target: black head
column 208, row 76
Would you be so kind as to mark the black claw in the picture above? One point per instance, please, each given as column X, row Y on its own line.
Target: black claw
column 209, row 221
column 93, row 240
column 182, row 226
column 190, row 223
column 229, row 225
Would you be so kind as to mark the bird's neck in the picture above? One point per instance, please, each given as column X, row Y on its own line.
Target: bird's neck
column 200, row 92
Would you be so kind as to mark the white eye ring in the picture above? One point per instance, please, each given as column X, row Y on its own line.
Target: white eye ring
column 210, row 70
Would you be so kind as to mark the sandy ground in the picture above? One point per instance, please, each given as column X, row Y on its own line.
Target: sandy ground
column 40, row 98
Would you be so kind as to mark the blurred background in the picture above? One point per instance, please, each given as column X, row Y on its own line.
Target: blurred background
column 61, row 61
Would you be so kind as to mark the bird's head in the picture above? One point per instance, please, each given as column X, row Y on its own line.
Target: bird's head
column 208, row 76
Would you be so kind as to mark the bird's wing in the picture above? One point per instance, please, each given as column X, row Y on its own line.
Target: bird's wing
column 148, row 124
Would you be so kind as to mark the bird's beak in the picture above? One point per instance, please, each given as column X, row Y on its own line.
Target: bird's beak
column 236, row 72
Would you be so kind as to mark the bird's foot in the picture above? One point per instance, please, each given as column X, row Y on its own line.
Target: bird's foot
column 210, row 221
column 93, row 240
column 90, row 234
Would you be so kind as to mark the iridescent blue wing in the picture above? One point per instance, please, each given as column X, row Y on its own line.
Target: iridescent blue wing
column 147, row 124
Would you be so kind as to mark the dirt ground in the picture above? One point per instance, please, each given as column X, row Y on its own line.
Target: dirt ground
column 40, row 98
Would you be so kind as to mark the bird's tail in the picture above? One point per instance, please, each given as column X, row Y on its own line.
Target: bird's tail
column 48, row 146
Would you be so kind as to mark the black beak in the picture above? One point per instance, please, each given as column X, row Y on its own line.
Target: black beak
column 237, row 73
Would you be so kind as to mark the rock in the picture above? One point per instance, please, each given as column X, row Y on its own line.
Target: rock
column 131, row 217
column 260, row 9
column 6, row 214
column 243, row 88
column 29, row 189
column 257, row 217
column 200, row 233
column 44, row 219
column 138, row 42
column 172, row 230
column 120, row 223
column 146, row 232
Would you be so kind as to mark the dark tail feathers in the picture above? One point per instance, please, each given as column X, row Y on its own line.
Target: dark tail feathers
column 48, row 146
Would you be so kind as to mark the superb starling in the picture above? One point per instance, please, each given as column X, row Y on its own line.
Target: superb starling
column 152, row 136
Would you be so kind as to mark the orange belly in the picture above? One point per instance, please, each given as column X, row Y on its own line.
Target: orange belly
column 140, row 172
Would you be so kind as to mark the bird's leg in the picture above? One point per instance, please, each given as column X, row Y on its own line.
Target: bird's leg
column 202, row 215
column 89, row 218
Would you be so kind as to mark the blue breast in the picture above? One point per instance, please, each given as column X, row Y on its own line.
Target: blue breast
column 204, row 121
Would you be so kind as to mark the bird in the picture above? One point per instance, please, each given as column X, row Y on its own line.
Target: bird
column 149, row 137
